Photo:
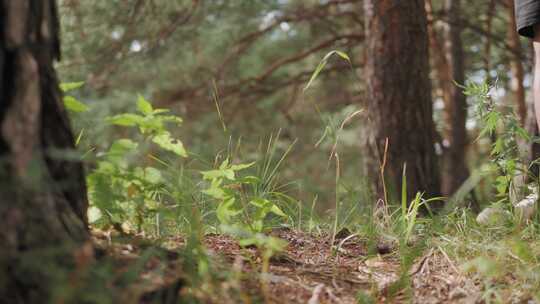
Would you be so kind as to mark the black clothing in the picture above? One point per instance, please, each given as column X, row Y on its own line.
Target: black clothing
column 527, row 16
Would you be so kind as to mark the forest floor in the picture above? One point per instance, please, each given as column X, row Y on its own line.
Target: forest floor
column 308, row 271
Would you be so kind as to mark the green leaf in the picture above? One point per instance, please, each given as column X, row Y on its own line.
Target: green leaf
column 226, row 210
column 257, row 223
column 501, row 183
column 491, row 121
column 216, row 193
column 224, row 164
column 161, row 111
column 153, row 175
column 265, row 206
column 248, row 242
column 277, row 211
column 251, row 180
column 74, row 105
column 229, row 174
column 152, row 124
column 241, row 166
column 120, row 148
column 510, row 165
column 215, row 174
column 170, row 118
column 225, row 171
column 215, row 190
column 151, row 205
column 102, row 193
column 323, row 63
column 144, row 106
column 70, row 86
column 260, row 202
column 168, row 143
column 270, row 244
column 523, row 134
column 126, row 120
column 212, row 174
column 498, row 147
column 124, row 144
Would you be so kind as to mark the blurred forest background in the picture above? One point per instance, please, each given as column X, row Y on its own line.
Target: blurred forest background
column 236, row 70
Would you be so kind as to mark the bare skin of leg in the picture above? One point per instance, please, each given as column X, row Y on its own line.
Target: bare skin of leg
column 536, row 85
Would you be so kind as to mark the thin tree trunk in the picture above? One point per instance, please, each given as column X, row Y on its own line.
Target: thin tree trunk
column 42, row 193
column 440, row 61
column 492, row 6
column 455, row 170
column 399, row 96
column 516, row 67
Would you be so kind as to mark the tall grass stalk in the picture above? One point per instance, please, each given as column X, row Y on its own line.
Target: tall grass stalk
column 336, row 217
column 404, row 191
column 215, row 97
column 311, row 222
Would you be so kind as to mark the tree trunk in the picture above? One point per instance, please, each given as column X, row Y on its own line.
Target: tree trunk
column 517, row 72
column 491, row 8
column 455, row 170
column 399, row 97
column 440, row 60
column 42, row 189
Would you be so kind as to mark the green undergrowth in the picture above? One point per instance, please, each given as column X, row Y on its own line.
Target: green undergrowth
column 503, row 260
column 146, row 183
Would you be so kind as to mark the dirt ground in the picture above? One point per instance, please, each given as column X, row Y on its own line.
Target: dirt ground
column 308, row 272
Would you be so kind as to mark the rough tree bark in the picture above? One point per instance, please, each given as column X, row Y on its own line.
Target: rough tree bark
column 454, row 166
column 399, row 96
column 42, row 192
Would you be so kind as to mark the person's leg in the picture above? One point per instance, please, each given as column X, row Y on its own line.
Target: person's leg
column 536, row 84
column 528, row 25
column 527, row 13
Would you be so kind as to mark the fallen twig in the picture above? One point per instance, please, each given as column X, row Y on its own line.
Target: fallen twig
column 316, row 294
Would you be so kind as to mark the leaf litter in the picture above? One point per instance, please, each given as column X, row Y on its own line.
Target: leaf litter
column 308, row 271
